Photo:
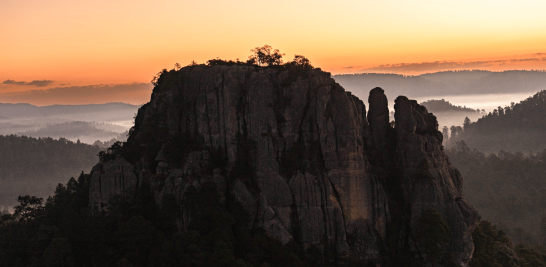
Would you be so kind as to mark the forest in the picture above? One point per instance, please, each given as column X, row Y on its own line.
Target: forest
column 514, row 127
column 501, row 157
column 60, row 232
column 36, row 165
column 507, row 188
column 442, row 105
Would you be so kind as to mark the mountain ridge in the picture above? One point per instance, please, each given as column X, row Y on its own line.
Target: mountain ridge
column 446, row 83
column 15, row 110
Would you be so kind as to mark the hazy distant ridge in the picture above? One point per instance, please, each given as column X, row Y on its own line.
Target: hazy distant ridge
column 88, row 132
column 518, row 127
column 445, row 83
column 444, row 106
column 27, row 110
column 88, row 123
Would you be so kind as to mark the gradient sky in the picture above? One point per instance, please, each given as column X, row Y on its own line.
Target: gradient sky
column 87, row 46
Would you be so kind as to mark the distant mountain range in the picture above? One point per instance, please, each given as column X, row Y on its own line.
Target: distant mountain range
column 102, row 112
column 88, row 123
column 87, row 132
column 445, row 83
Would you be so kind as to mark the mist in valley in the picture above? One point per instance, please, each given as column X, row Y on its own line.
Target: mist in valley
column 44, row 146
column 87, row 123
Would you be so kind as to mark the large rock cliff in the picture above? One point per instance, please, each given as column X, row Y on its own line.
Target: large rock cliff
column 299, row 155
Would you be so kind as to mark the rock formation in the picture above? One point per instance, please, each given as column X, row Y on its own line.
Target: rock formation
column 298, row 154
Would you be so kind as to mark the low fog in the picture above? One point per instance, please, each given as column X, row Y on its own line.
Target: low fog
column 45, row 146
column 87, row 123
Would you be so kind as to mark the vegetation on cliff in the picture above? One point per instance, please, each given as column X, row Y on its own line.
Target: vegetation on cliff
column 494, row 249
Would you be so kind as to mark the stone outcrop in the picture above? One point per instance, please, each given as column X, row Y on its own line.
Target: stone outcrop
column 299, row 155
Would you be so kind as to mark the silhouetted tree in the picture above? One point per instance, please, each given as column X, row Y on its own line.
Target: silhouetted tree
column 266, row 55
column 459, row 130
column 302, row 62
column 466, row 123
column 29, row 207
column 453, row 131
column 445, row 132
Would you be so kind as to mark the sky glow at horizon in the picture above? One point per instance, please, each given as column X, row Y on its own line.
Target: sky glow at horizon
column 83, row 43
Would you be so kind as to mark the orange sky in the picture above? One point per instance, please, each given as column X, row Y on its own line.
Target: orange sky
column 83, row 44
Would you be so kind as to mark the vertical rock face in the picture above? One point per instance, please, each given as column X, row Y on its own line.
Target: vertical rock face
column 427, row 178
column 298, row 154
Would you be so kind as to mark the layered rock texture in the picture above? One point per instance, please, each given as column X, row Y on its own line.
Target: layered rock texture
column 299, row 155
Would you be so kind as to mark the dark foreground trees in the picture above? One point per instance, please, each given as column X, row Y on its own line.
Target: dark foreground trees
column 60, row 232
column 509, row 189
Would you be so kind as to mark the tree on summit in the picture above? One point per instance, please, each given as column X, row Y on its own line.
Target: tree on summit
column 265, row 55
column 300, row 62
